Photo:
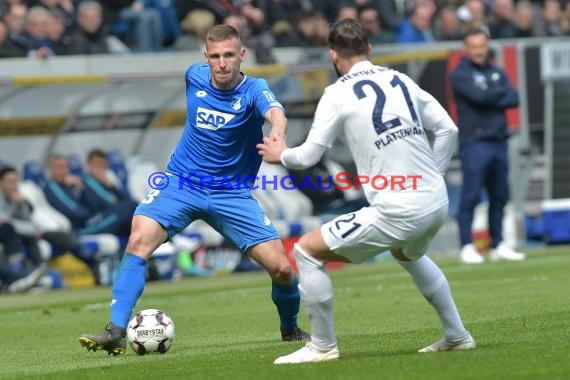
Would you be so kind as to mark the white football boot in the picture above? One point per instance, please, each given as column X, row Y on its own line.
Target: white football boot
column 504, row 252
column 308, row 354
column 469, row 255
column 466, row 343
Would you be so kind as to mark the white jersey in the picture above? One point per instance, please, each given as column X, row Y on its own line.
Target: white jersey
column 384, row 116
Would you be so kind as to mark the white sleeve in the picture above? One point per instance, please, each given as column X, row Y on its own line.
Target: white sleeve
column 445, row 133
column 303, row 156
column 327, row 120
column 436, row 119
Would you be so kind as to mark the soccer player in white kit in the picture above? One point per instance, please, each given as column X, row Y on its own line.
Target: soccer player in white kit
column 386, row 119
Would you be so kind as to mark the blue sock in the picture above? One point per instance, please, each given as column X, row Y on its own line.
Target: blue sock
column 127, row 288
column 287, row 299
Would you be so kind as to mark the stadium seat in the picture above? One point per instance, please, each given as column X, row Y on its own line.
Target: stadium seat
column 139, row 169
column 117, row 165
column 75, row 165
column 106, row 248
column 34, row 171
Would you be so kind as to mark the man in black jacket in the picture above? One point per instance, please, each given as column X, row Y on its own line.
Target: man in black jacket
column 483, row 92
column 90, row 35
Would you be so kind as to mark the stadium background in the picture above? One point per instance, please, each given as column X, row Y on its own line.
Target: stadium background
column 134, row 107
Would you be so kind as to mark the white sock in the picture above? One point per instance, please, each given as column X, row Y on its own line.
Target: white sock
column 317, row 294
column 432, row 283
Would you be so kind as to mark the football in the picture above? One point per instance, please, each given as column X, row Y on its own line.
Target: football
column 150, row 330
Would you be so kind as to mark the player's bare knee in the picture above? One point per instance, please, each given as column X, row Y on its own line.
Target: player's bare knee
column 140, row 245
column 282, row 274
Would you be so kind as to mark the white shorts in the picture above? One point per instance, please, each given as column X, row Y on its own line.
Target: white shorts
column 365, row 233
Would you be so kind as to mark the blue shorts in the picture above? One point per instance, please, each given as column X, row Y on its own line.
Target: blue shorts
column 233, row 213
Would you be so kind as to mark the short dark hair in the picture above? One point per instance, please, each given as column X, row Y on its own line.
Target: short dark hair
column 6, row 170
column 475, row 31
column 349, row 38
column 96, row 153
column 221, row 33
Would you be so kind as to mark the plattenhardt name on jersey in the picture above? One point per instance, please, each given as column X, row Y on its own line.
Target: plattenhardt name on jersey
column 388, row 137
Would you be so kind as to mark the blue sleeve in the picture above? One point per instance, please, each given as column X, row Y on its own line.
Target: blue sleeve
column 264, row 98
column 65, row 203
column 187, row 76
column 464, row 86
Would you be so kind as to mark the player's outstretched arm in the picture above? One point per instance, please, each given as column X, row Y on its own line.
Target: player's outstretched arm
column 301, row 157
column 276, row 118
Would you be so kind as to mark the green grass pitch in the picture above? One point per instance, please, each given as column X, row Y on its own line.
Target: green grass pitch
column 227, row 327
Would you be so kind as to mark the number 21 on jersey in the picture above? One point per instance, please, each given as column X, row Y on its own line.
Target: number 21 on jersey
column 378, row 110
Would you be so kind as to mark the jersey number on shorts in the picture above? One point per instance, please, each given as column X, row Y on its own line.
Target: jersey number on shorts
column 341, row 225
column 150, row 196
column 380, row 126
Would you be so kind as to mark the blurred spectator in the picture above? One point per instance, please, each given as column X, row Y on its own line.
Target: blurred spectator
column 284, row 34
column 306, row 31
column 19, row 213
column 371, row 21
column 16, row 273
column 3, row 38
column 195, row 27
column 102, row 190
column 143, row 24
column 66, row 193
column 15, row 18
column 391, row 12
column 261, row 45
column 37, row 32
column 550, row 23
column 524, row 19
column 89, row 35
column 417, row 26
column 169, row 16
column 288, row 9
column 66, row 8
column 183, row 8
column 329, row 9
column 16, row 44
column 152, row 25
column 448, row 27
column 565, row 20
column 502, row 23
column 346, row 11
column 57, row 33
column 313, row 30
column 255, row 18
column 473, row 15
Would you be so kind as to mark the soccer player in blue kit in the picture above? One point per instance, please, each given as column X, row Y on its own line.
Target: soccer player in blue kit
column 217, row 151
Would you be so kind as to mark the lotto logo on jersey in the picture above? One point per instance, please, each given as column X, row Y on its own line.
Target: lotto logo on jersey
column 210, row 119
column 270, row 98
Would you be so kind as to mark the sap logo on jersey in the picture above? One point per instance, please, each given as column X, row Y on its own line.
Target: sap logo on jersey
column 210, row 119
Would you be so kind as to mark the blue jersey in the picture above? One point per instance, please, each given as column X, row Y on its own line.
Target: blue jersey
column 222, row 128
